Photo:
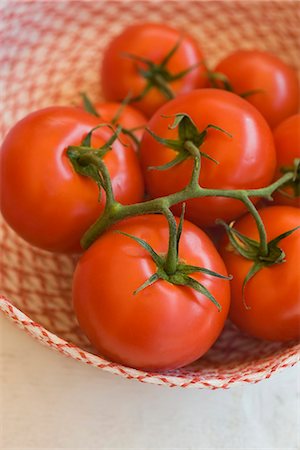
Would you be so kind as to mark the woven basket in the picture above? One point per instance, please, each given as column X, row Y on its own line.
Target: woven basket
column 51, row 51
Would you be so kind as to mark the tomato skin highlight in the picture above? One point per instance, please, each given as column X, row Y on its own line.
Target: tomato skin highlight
column 42, row 197
column 246, row 161
column 273, row 293
column 287, row 144
column 254, row 69
column 120, row 76
column 162, row 327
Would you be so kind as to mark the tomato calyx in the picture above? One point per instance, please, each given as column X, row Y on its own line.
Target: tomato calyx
column 294, row 183
column 157, row 75
column 190, row 139
column 170, row 268
column 250, row 249
column 87, row 161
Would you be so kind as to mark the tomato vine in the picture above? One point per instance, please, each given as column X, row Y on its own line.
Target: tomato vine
column 88, row 161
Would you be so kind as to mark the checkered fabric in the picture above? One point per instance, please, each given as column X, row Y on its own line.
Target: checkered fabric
column 49, row 52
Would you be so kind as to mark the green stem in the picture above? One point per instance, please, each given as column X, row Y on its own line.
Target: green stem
column 97, row 161
column 194, row 151
column 263, row 242
column 120, row 212
column 265, row 192
column 172, row 257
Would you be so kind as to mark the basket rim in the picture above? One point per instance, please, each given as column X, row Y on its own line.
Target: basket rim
column 69, row 349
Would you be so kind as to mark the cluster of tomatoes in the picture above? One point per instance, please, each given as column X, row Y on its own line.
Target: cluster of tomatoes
column 145, row 297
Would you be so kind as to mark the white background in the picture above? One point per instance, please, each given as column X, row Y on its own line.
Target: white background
column 50, row 401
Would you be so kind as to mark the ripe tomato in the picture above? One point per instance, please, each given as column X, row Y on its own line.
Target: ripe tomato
column 246, row 160
column 125, row 115
column 163, row 326
column 120, row 75
column 287, row 144
column 273, row 293
column 42, row 197
column 249, row 70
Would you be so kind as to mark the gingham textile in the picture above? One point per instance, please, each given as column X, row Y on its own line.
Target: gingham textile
column 49, row 52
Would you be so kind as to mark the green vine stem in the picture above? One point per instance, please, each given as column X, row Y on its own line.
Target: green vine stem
column 107, row 185
column 194, row 152
column 116, row 212
column 263, row 249
column 88, row 161
column 171, row 260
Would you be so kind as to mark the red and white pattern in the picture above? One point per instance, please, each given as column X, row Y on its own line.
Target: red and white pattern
column 52, row 50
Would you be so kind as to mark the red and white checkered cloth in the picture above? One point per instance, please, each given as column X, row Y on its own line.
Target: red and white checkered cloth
column 49, row 52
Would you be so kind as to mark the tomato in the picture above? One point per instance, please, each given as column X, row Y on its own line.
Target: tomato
column 246, row 160
column 287, row 144
column 162, row 327
column 120, row 75
column 42, row 197
column 129, row 117
column 273, row 293
column 276, row 82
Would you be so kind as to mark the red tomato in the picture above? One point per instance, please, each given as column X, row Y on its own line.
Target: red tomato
column 287, row 144
column 120, row 74
column 129, row 118
column 249, row 70
column 42, row 197
column 246, row 161
column 163, row 326
column 273, row 293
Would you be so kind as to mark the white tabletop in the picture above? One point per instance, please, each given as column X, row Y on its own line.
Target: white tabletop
column 50, row 401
